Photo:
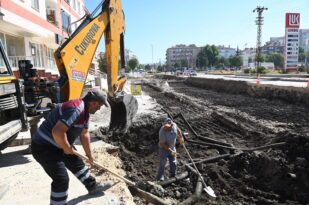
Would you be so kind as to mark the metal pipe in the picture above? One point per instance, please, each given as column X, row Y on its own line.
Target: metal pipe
column 175, row 179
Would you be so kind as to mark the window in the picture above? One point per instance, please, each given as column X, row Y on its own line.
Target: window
column 35, row 4
column 66, row 20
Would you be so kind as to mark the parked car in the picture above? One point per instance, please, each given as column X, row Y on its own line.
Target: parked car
column 190, row 73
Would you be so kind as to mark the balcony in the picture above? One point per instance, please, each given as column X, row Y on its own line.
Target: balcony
column 37, row 61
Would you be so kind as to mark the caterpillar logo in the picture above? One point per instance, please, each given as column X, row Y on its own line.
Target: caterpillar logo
column 82, row 47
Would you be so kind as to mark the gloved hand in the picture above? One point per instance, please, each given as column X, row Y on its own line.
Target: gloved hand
column 181, row 140
column 174, row 153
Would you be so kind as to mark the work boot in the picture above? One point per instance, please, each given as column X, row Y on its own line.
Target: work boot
column 99, row 187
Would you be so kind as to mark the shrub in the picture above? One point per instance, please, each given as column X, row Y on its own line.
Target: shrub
column 261, row 70
column 247, row 70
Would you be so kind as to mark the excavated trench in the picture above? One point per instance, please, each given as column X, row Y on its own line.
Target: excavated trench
column 265, row 145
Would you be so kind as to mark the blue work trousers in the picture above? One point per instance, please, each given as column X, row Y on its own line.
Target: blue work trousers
column 164, row 155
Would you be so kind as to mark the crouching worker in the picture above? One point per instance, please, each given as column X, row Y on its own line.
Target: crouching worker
column 52, row 145
column 167, row 147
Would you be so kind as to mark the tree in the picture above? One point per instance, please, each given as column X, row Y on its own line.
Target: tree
column 133, row 63
column 212, row 54
column 183, row 63
column 236, row 61
column 147, row 67
column 102, row 64
column 301, row 54
column 201, row 59
column 278, row 60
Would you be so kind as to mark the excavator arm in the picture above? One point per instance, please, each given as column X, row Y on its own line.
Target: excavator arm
column 74, row 57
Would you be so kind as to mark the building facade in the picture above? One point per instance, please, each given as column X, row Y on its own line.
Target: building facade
column 304, row 39
column 274, row 45
column 182, row 53
column 226, row 52
column 34, row 29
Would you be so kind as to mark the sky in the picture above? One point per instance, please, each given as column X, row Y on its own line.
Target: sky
column 153, row 26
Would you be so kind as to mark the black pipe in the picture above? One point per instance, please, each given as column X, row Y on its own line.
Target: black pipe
column 174, row 179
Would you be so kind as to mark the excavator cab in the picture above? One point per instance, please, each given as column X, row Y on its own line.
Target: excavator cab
column 74, row 57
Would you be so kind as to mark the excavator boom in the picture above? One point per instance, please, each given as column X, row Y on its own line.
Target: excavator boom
column 75, row 55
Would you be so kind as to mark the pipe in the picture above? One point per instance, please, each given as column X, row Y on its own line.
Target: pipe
column 201, row 137
column 212, row 159
column 212, row 145
column 197, row 194
column 175, row 179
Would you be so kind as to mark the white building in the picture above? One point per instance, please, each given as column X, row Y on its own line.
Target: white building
column 226, row 52
column 33, row 30
column 248, row 55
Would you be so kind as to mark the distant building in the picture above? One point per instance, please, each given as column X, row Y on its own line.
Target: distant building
column 180, row 53
column 274, row 45
column 248, row 56
column 226, row 52
column 304, row 39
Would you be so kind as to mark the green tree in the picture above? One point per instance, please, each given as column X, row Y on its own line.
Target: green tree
column 183, row 63
column 235, row 61
column 201, row 60
column 147, row 67
column 133, row 63
column 176, row 65
column 278, row 60
column 102, row 64
column 301, row 54
column 212, row 54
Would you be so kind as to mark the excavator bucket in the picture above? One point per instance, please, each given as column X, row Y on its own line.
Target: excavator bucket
column 123, row 110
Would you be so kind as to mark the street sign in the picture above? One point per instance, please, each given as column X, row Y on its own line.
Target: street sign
column 292, row 22
column 136, row 89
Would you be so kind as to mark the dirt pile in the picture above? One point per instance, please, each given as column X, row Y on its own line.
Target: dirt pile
column 272, row 175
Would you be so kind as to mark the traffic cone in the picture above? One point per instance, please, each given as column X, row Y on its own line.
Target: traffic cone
column 258, row 79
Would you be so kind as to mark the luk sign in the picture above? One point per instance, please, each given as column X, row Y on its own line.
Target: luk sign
column 292, row 22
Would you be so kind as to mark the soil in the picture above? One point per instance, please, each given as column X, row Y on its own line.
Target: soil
column 277, row 175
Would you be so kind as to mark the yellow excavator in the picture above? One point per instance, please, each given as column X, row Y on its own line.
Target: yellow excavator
column 74, row 56
column 73, row 59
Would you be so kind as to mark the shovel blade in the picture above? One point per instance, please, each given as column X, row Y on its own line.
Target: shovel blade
column 210, row 191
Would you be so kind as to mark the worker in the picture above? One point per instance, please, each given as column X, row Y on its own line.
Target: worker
column 167, row 147
column 52, row 145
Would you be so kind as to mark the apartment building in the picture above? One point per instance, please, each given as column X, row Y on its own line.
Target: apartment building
column 304, row 39
column 182, row 53
column 226, row 52
column 33, row 30
column 274, row 45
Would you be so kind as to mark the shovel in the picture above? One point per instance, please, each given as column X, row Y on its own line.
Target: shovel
column 141, row 193
column 207, row 189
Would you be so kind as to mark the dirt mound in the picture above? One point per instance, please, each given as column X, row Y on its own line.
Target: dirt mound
column 273, row 175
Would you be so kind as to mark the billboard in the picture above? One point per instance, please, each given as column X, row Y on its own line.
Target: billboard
column 292, row 23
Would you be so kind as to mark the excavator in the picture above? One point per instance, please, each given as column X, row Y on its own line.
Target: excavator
column 73, row 59
column 74, row 56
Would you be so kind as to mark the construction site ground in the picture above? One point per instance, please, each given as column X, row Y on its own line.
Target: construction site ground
column 267, row 163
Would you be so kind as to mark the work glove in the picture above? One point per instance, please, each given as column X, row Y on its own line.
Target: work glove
column 181, row 140
column 174, row 153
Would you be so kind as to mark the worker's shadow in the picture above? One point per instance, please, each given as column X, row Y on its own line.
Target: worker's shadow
column 84, row 198
column 13, row 158
column 87, row 196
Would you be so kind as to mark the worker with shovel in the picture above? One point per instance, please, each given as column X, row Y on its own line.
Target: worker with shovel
column 52, row 145
column 167, row 147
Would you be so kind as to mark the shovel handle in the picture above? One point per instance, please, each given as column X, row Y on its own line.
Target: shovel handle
column 106, row 169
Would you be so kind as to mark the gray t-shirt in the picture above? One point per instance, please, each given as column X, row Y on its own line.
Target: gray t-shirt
column 169, row 136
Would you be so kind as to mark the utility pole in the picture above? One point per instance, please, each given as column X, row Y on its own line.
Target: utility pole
column 259, row 22
column 152, row 56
